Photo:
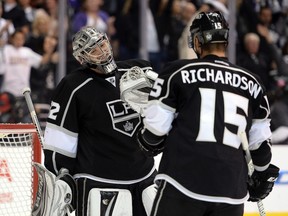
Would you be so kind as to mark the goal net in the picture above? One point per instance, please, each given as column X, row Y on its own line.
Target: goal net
column 19, row 148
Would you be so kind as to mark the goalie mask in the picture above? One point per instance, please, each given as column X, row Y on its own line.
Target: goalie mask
column 208, row 28
column 92, row 48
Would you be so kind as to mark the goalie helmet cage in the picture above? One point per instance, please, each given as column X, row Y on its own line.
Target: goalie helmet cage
column 19, row 148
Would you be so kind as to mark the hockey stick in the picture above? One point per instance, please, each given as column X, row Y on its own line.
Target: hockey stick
column 40, row 207
column 26, row 93
column 250, row 165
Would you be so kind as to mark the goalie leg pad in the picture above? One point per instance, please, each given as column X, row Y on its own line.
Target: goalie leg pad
column 114, row 202
column 148, row 196
column 54, row 196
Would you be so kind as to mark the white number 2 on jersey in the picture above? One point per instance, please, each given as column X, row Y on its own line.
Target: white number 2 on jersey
column 55, row 107
column 231, row 103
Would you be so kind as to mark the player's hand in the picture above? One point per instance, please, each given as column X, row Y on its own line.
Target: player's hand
column 149, row 150
column 135, row 86
column 261, row 183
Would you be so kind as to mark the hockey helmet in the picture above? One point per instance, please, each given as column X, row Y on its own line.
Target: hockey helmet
column 209, row 27
column 91, row 47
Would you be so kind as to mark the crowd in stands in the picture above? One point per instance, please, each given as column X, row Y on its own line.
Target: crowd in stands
column 29, row 38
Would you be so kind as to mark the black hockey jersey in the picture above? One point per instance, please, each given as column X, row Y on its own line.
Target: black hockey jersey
column 203, row 105
column 92, row 132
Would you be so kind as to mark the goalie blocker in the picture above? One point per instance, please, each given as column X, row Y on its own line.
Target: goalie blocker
column 55, row 194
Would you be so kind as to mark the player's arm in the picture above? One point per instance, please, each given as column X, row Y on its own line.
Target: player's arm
column 157, row 124
column 158, row 116
column 150, row 143
column 61, row 136
column 260, row 136
column 54, row 161
column 57, row 189
column 265, row 173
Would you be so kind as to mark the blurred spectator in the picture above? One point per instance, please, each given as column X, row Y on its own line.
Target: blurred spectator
column 246, row 20
column 182, row 13
column 279, row 122
column 256, row 61
column 6, row 29
column 29, row 11
column 265, row 23
column 7, row 102
column 51, row 7
column 38, row 3
column 41, row 27
column 285, row 56
column 159, row 14
column 110, row 6
column 42, row 79
column 184, row 51
column 127, row 29
column 279, row 10
column 12, row 11
column 18, row 61
column 279, row 109
column 270, row 14
column 92, row 15
column 75, row 5
column 279, row 67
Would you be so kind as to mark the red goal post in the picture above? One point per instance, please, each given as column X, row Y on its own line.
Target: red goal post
column 19, row 148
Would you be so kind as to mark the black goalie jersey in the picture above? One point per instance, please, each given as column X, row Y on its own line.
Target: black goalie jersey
column 203, row 105
column 91, row 131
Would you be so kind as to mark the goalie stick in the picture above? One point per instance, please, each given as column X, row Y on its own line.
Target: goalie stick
column 54, row 195
column 250, row 165
column 26, row 93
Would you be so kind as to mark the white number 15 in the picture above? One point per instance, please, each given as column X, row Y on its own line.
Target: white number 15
column 231, row 103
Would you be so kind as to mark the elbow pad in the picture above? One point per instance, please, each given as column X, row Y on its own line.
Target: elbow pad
column 149, row 143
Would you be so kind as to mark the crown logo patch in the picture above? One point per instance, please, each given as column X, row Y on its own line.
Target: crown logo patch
column 128, row 126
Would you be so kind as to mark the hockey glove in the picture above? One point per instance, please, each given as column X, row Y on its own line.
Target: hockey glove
column 261, row 183
column 135, row 86
column 150, row 149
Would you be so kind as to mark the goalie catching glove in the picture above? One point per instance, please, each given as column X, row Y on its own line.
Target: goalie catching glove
column 261, row 183
column 135, row 86
column 55, row 193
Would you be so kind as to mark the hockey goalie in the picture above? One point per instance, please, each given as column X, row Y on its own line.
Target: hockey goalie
column 92, row 132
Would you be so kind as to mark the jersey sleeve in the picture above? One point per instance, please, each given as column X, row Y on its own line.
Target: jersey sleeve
column 260, row 135
column 162, row 103
column 61, row 132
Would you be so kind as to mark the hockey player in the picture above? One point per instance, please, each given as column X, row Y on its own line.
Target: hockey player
column 196, row 112
column 91, row 132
